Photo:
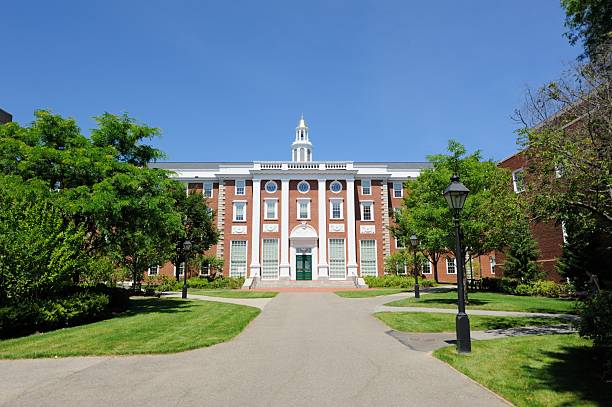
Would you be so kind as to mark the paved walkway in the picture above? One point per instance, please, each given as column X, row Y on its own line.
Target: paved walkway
column 305, row 349
column 253, row 302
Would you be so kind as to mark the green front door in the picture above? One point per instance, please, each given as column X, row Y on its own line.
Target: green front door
column 303, row 267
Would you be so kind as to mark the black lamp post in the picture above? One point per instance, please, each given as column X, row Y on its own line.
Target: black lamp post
column 414, row 241
column 186, row 249
column 455, row 195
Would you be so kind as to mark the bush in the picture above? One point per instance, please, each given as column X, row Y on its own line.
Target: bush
column 165, row 283
column 395, row 281
column 596, row 324
column 45, row 315
column 513, row 286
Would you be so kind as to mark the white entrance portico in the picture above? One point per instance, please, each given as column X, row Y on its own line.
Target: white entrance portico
column 303, row 242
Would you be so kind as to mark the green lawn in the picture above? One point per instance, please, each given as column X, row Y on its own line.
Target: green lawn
column 546, row 370
column 371, row 292
column 491, row 301
column 232, row 293
column 148, row 326
column 430, row 322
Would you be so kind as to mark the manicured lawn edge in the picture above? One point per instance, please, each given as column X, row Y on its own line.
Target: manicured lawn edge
column 149, row 326
column 537, row 370
column 438, row 322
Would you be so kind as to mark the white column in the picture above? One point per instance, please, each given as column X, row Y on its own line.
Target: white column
column 255, row 220
column 350, row 227
column 285, row 267
column 323, row 267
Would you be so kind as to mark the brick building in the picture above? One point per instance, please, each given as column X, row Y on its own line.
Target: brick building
column 302, row 219
column 5, row 117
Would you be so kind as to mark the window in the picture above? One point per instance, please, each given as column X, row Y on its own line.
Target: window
column 205, row 270
column 367, row 210
column 271, row 206
column 451, row 266
column 181, row 269
column 303, row 208
column 238, row 258
column 269, row 259
column 271, row 187
column 518, row 179
column 337, row 262
column 366, row 187
column 240, row 187
column 493, row 264
column 398, row 244
column 426, row 267
column 335, row 187
column 335, row 208
column 239, row 212
column 303, row 187
column 153, row 270
column 208, row 189
column 368, row 258
column 398, row 190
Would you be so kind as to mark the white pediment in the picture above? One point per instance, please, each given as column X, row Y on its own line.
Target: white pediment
column 303, row 231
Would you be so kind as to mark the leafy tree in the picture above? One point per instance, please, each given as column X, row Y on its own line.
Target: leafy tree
column 39, row 250
column 589, row 21
column 197, row 225
column 397, row 261
column 490, row 208
column 522, row 255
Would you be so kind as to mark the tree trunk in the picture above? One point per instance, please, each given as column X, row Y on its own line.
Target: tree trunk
column 435, row 270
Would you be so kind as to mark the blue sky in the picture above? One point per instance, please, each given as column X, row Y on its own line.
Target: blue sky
column 227, row 80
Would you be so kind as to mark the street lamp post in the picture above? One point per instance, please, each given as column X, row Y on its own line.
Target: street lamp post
column 186, row 249
column 414, row 241
column 455, row 195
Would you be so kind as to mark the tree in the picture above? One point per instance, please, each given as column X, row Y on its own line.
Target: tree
column 197, row 225
column 397, row 262
column 589, row 21
column 522, row 255
column 490, row 208
column 567, row 140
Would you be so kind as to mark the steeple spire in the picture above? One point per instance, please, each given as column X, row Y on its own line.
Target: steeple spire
column 301, row 149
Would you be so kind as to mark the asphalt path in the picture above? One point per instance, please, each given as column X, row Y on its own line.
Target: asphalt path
column 305, row 349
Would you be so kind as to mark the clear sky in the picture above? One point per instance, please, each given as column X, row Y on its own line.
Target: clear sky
column 377, row 80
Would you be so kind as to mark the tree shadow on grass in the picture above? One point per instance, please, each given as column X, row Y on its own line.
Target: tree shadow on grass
column 449, row 301
column 156, row 305
column 573, row 369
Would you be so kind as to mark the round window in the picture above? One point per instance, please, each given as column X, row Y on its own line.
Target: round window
column 271, row 187
column 335, row 187
column 303, row 187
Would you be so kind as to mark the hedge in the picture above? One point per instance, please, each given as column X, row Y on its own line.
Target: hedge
column 79, row 306
column 543, row 288
column 165, row 283
column 395, row 281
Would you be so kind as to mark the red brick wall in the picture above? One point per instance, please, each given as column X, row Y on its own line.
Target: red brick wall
column 377, row 222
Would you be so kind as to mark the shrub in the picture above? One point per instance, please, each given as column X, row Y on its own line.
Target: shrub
column 523, row 289
column 395, row 281
column 542, row 288
column 45, row 315
column 596, row 324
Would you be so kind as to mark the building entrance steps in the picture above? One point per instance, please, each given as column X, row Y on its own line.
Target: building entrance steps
column 285, row 283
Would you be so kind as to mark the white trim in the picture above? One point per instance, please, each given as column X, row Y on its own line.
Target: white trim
column 303, row 182
column 323, row 268
column 156, row 272
column 331, row 212
column 234, row 211
column 335, row 182
column 492, row 264
column 401, row 189
column 361, row 257
column 271, row 182
column 285, row 268
column 180, row 273
column 427, row 261
column 243, row 182
column 246, row 257
column 455, row 262
column 351, row 234
column 298, row 201
column 362, row 204
column 514, row 184
column 369, row 181
column 254, row 267
column 275, row 201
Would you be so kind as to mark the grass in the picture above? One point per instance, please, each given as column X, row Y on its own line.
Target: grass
column 371, row 292
column 430, row 322
column 232, row 293
column 546, row 370
column 491, row 301
column 148, row 326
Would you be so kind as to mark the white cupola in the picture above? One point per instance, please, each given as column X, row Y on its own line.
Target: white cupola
column 301, row 149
